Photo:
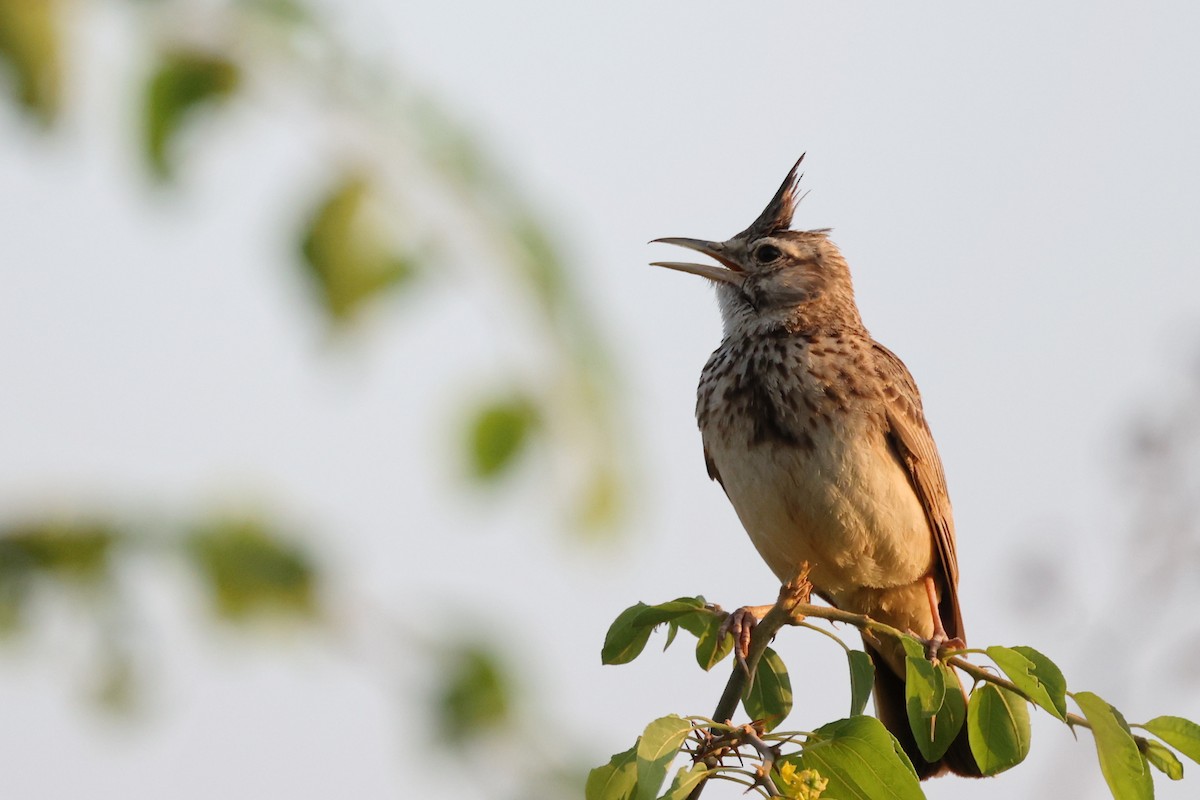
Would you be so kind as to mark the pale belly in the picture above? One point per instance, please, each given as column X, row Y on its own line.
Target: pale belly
column 845, row 506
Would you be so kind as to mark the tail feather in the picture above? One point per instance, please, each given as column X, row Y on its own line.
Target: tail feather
column 893, row 713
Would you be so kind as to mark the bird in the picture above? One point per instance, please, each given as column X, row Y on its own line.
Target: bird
column 817, row 434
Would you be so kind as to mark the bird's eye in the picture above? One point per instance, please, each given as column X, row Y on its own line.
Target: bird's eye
column 766, row 253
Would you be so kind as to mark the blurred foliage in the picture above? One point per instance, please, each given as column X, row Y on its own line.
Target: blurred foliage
column 181, row 84
column 289, row 11
column 476, row 693
column 30, row 48
column 498, row 434
column 346, row 249
column 47, row 552
column 422, row 187
column 251, row 570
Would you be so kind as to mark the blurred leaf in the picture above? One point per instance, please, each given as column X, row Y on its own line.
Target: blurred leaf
column 1162, row 759
column 291, row 12
column 685, row 781
column 76, row 550
column 1034, row 674
column 498, row 433
column 450, row 148
column 656, row 749
column 79, row 551
column 860, row 760
column 30, row 46
column 475, row 696
column 347, row 250
column 552, row 778
column 616, row 780
column 862, row 679
column 625, row 639
column 936, row 706
column 543, row 266
column 1180, row 733
column 600, row 503
column 182, row 83
column 116, row 680
column 1125, row 768
column 250, row 571
column 14, row 598
column 998, row 727
column 769, row 696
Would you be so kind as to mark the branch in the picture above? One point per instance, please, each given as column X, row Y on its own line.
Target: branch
column 784, row 612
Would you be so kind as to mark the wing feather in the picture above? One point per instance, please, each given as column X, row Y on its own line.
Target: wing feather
column 912, row 443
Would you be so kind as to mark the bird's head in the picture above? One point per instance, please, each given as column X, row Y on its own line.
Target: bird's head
column 771, row 274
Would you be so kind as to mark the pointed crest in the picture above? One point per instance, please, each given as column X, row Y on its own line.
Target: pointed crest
column 777, row 216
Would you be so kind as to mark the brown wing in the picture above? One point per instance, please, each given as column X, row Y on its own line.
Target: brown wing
column 711, row 466
column 911, row 441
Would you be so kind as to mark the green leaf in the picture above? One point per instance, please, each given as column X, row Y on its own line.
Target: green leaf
column 671, row 610
column 348, row 251
column 474, row 698
column 1035, row 675
column 616, row 780
column 1180, row 733
column 672, row 630
column 1161, row 757
column 183, row 82
column 625, row 641
column 30, row 46
column 861, row 761
column 862, row 679
column 696, row 622
column 251, row 571
column 925, row 688
column 913, row 647
column 769, row 696
column 656, row 749
column 1124, row 767
column 711, row 649
column 935, row 703
column 498, row 433
column 628, row 634
column 685, row 781
column 998, row 727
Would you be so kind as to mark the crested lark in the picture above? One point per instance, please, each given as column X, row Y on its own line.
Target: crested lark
column 817, row 435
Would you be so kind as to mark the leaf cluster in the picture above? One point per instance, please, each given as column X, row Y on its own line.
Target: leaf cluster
column 857, row 756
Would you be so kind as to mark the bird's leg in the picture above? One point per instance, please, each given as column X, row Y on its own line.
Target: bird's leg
column 740, row 625
column 939, row 640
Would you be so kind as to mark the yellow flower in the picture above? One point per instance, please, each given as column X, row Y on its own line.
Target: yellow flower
column 806, row 784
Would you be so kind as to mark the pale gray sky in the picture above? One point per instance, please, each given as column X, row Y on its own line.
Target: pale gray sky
column 1014, row 187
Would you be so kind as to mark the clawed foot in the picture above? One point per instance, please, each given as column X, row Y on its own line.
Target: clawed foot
column 740, row 625
column 938, row 643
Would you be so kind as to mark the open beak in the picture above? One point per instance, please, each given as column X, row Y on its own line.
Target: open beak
column 729, row 273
